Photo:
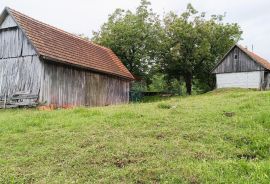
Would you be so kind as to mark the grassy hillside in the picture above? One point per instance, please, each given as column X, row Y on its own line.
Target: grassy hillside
column 219, row 137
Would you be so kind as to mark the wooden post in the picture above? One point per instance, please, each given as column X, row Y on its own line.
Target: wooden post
column 5, row 101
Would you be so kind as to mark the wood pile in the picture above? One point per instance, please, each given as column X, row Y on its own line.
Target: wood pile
column 19, row 99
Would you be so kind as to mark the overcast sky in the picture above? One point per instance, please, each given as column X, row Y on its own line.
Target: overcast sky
column 84, row 16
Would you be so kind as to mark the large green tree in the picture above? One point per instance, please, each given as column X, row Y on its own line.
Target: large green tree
column 133, row 37
column 192, row 44
column 183, row 47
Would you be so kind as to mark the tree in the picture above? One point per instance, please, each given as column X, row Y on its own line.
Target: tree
column 193, row 44
column 158, row 83
column 132, row 36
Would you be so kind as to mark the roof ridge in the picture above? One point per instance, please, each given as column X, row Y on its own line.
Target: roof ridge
column 252, row 52
column 57, row 29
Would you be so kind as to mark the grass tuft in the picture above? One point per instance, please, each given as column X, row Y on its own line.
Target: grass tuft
column 164, row 106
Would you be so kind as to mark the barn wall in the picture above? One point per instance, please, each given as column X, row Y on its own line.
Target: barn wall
column 20, row 66
column 68, row 86
column 14, row 44
column 243, row 63
column 19, row 74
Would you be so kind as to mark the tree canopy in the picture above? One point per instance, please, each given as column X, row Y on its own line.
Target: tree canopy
column 132, row 36
column 192, row 44
column 184, row 47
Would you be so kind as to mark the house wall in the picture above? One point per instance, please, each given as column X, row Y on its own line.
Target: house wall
column 243, row 63
column 63, row 85
column 20, row 66
column 240, row 80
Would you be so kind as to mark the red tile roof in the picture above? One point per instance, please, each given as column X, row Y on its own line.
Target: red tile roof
column 256, row 58
column 54, row 44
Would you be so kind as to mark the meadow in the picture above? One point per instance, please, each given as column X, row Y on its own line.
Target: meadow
column 218, row 137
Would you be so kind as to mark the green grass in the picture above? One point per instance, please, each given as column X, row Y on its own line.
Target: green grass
column 219, row 137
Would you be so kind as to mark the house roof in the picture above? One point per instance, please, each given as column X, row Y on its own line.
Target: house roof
column 54, row 44
column 261, row 61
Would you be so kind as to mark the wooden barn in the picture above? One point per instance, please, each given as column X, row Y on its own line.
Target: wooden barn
column 57, row 67
column 241, row 68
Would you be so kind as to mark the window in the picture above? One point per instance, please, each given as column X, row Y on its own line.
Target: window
column 235, row 56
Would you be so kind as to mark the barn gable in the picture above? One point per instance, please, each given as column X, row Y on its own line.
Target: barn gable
column 19, row 64
column 238, row 59
column 14, row 44
column 7, row 22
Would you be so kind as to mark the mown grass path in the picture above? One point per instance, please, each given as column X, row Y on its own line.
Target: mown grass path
column 219, row 137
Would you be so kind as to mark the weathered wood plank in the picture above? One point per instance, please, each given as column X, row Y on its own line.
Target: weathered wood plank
column 68, row 86
column 14, row 44
column 20, row 67
column 19, row 99
column 8, row 22
column 20, row 74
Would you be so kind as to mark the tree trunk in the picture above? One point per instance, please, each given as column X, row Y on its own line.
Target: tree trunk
column 188, row 81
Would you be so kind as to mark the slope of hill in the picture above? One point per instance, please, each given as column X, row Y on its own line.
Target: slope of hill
column 219, row 137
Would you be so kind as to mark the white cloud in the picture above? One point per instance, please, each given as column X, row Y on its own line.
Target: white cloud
column 84, row 16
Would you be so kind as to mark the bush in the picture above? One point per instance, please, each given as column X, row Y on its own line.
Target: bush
column 164, row 106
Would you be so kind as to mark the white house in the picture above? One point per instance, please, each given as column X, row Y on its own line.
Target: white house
column 241, row 68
